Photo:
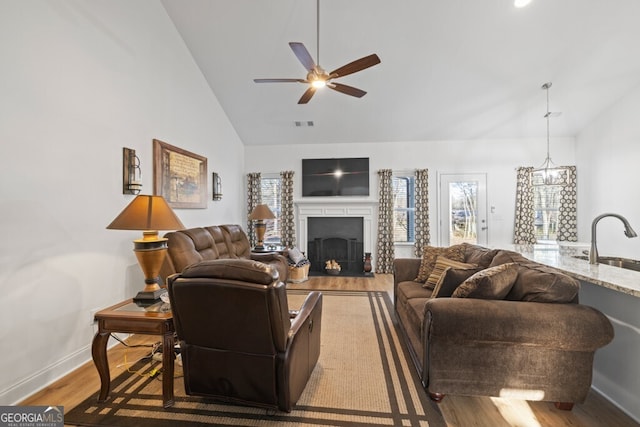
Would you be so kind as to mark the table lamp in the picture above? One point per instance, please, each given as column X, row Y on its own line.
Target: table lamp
column 259, row 214
column 149, row 214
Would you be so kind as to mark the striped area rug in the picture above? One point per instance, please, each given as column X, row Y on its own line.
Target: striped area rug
column 364, row 377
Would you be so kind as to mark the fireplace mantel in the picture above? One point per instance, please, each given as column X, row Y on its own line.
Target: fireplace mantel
column 337, row 207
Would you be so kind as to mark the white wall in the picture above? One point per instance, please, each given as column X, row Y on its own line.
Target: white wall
column 80, row 80
column 498, row 158
column 608, row 155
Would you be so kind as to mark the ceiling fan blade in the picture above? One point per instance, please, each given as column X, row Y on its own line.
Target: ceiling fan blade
column 355, row 66
column 306, row 96
column 348, row 90
column 279, row 80
column 303, row 55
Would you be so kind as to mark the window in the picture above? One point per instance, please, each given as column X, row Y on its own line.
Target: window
column 546, row 204
column 404, row 209
column 271, row 190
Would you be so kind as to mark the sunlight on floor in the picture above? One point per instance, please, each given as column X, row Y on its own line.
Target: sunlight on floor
column 516, row 413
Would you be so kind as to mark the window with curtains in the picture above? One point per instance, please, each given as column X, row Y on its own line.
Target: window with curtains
column 403, row 208
column 271, row 187
column 546, row 206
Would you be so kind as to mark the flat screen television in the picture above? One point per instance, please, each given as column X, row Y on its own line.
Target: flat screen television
column 335, row 177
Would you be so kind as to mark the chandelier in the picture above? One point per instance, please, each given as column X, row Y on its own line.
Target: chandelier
column 548, row 173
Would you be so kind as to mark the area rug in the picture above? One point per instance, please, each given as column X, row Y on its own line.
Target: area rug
column 363, row 378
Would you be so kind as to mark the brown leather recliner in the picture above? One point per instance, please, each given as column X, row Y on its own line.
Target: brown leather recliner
column 238, row 340
column 193, row 245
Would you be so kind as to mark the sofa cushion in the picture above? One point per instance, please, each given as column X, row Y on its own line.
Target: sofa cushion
column 474, row 254
column 539, row 283
column 504, row 256
column 451, row 279
column 409, row 290
column 237, row 241
column 416, row 312
column 440, row 267
column 491, row 283
column 219, row 241
column 190, row 246
column 429, row 256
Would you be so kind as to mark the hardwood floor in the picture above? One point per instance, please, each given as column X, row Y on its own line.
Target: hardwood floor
column 458, row 411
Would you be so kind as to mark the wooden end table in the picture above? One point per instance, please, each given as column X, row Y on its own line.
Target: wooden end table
column 129, row 317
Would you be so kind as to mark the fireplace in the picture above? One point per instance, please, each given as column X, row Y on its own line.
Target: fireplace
column 364, row 210
column 336, row 238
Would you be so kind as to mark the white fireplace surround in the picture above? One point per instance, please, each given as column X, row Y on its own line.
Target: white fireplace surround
column 332, row 207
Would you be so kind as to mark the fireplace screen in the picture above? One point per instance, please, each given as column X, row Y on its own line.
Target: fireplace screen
column 336, row 238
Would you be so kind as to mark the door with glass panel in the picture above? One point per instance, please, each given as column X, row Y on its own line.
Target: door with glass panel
column 463, row 209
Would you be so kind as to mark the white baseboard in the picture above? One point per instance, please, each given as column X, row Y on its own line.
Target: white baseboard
column 44, row 377
column 614, row 403
column 18, row 392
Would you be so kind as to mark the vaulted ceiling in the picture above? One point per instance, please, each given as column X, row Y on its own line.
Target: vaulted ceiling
column 450, row 70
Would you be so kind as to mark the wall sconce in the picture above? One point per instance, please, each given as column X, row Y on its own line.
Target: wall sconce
column 131, row 183
column 217, row 187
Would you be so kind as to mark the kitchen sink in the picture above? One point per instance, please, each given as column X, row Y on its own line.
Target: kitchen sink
column 629, row 264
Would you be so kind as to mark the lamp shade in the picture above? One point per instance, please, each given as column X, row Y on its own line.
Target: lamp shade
column 261, row 212
column 147, row 213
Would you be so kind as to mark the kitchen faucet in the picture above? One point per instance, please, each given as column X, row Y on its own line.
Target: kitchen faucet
column 628, row 231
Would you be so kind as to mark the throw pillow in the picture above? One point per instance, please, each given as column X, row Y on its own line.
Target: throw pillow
column 451, row 279
column 295, row 255
column 440, row 267
column 491, row 283
column 429, row 256
column 540, row 283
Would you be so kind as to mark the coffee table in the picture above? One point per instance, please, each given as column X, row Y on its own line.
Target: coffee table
column 129, row 317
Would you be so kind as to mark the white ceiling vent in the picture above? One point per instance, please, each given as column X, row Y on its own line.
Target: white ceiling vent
column 302, row 124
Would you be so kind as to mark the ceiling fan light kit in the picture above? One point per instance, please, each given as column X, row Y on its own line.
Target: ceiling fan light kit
column 317, row 77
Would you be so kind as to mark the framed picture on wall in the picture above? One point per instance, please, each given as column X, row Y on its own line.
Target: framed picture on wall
column 179, row 176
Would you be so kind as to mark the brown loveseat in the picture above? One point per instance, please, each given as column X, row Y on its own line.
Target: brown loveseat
column 193, row 245
column 516, row 333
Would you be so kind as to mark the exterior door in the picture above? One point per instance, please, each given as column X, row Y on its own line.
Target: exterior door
column 463, row 209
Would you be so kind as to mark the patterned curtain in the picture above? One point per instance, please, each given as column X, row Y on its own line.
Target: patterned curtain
column 287, row 220
column 385, row 248
column 568, row 211
column 524, row 230
column 423, row 231
column 254, row 198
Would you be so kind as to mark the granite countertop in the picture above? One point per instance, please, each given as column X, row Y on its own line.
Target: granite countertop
column 561, row 256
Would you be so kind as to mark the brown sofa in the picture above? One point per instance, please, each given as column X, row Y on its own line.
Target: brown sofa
column 194, row 245
column 525, row 336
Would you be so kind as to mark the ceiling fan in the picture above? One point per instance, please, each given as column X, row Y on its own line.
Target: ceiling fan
column 317, row 77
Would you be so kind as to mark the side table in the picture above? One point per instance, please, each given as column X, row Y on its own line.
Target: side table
column 129, row 317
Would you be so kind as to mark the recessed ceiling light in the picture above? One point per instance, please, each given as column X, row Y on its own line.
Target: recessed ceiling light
column 521, row 3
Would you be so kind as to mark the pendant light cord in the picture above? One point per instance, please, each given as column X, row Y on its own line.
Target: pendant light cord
column 548, row 85
column 318, row 32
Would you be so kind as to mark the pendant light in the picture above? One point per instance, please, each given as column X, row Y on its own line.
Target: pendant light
column 548, row 173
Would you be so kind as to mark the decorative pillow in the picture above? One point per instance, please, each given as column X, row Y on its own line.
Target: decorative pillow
column 429, row 255
column 491, row 283
column 451, row 279
column 480, row 255
column 539, row 283
column 440, row 267
column 295, row 255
